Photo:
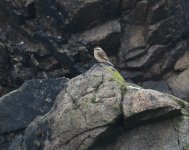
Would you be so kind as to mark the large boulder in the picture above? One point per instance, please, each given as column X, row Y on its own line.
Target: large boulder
column 84, row 109
column 97, row 109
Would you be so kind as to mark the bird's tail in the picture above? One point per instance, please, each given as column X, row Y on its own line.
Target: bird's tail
column 109, row 63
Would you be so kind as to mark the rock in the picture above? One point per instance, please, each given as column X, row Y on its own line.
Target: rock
column 173, row 55
column 4, row 65
column 103, row 34
column 90, row 108
column 159, row 85
column 132, row 75
column 146, row 39
column 138, row 14
column 106, row 35
column 128, row 5
column 179, row 84
column 133, row 39
column 73, row 14
column 158, row 35
column 19, row 11
column 147, row 24
column 89, row 104
column 159, row 12
column 49, row 64
column 141, row 106
column 33, row 98
column 17, row 144
column 171, row 134
column 170, row 17
column 183, row 62
column 56, row 38
column 145, row 60
column 21, row 74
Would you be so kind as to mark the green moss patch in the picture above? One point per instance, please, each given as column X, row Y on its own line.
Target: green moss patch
column 93, row 99
column 118, row 78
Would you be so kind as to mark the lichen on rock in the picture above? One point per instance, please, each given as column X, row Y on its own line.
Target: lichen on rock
column 95, row 109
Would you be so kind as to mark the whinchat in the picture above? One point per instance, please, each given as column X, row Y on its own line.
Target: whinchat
column 101, row 56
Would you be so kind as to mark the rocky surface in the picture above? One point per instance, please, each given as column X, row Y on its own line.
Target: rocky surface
column 147, row 40
column 179, row 84
column 171, row 134
column 95, row 110
column 20, row 107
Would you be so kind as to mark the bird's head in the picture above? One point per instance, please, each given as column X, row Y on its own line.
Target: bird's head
column 97, row 49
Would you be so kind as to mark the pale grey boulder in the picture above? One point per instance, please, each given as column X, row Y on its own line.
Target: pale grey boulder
column 144, row 105
column 95, row 110
column 85, row 109
column 98, row 109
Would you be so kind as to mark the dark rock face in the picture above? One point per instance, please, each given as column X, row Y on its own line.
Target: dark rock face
column 158, row 24
column 75, row 12
column 4, row 69
column 20, row 107
column 144, row 39
column 155, row 36
column 97, row 110
column 160, row 85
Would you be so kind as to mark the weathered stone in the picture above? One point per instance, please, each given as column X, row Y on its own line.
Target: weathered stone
column 139, row 13
column 49, row 64
column 183, row 62
column 173, row 55
column 80, row 106
column 106, row 35
column 161, row 34
column 73, row 13
column 170, row 134
column 17, row 143
column 132, row 75
column 101, row 32
column 145, row 60
column 128, row 5
column 133, row 38
column 179, row 84
column 135, row 53
column 159, row 12
column 155, row 23
column 19, row 11
column 4, row 65
column 141, row 106
column 33, row 98
column 46, row 30
column 159, row 85
column 91, row 107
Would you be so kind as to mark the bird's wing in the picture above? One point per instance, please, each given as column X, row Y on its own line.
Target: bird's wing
column 103, row 55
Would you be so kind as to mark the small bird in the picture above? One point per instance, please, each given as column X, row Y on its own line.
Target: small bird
column 101, row 56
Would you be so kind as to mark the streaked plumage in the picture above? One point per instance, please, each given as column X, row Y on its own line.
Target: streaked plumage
column 101, row 56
